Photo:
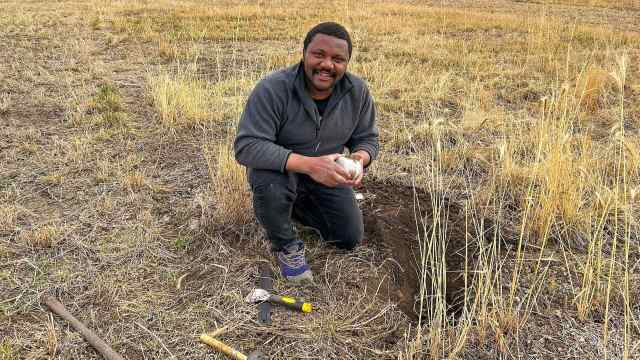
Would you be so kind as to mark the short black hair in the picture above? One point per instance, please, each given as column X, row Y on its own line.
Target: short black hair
column 331, row 29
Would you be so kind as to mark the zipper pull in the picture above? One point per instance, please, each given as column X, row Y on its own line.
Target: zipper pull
column 318, row 132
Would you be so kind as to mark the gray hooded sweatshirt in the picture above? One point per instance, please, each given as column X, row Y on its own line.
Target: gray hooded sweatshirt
column 280, row 117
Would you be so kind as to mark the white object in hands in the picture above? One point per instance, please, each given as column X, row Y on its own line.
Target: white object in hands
column 353, row 167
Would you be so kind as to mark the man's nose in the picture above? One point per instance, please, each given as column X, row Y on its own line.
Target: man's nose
column 327, row 63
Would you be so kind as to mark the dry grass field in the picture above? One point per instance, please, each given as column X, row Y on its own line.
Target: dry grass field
column 502, row 215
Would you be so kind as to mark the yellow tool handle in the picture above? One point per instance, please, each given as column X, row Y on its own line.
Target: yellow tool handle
column 222, row 347
column 291, row 303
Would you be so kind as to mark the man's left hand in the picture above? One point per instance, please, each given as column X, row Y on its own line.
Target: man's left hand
column 362, row 158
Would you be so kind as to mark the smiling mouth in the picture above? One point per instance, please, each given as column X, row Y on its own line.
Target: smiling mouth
column 323, row 75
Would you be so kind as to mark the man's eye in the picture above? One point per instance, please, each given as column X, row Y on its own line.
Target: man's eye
column 338, row 60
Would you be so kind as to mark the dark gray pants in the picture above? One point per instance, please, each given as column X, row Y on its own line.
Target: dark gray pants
column 279, row 198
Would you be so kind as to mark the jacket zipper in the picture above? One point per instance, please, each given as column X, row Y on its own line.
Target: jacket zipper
column 318, row 131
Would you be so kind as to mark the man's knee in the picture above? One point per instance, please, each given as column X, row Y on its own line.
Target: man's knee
column 273, row 194
column 263, row 181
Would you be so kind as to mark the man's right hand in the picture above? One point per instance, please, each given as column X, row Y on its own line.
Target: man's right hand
column 322, row 169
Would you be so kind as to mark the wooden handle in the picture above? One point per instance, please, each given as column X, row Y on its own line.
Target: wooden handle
column 222, row 347
column 91, row 337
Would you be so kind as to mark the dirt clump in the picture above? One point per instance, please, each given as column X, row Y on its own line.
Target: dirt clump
column 398, row 218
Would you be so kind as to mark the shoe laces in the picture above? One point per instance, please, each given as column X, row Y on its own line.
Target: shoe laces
column 293, row 256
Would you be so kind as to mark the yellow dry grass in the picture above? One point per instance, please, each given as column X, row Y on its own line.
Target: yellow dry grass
column 527, row 113
column 229, row 186
column 180, row 99
column 46, row 236
column 620, row 4
column 549, row 93
column 8, row 217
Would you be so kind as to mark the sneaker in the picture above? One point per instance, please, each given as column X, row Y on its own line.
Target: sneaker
column 293, row 264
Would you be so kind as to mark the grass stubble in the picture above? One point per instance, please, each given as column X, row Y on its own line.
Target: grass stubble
column 118, row 192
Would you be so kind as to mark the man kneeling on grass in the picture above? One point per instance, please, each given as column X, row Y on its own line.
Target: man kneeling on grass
column 296, row 123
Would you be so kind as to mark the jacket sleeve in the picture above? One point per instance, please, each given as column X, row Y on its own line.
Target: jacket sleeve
column 365, row 135
column 255, row 145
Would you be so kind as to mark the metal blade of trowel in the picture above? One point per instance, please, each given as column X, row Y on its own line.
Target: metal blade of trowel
column 266, row 283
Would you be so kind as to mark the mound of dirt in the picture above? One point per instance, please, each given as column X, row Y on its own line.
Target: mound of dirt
column 397, row 220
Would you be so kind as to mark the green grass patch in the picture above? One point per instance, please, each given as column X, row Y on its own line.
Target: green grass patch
column 7, row 352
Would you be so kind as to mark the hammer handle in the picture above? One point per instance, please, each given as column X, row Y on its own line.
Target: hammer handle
column 291, row 303
column 222, row 347
column 91, row 337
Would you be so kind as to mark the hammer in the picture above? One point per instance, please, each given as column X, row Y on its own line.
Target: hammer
column 262, row 295
column 228, row 350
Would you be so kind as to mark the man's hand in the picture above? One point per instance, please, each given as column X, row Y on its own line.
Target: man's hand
column 358, row 180
column 322, row 169
column 363, row 158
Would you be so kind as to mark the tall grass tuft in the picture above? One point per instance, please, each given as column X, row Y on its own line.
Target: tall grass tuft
column 231, row 196
column 180, row 97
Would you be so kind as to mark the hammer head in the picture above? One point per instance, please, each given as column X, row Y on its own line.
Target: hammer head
column 257, row 296
column 256, row 355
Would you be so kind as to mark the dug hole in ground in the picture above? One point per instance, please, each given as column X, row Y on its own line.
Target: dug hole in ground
column 399, row 223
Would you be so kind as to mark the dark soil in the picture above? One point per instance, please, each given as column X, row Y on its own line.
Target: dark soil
column 398, row 219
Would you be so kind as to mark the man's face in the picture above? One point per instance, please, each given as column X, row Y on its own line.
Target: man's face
column 325, row 62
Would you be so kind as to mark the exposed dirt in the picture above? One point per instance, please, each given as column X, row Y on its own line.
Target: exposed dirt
column 399, row 222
